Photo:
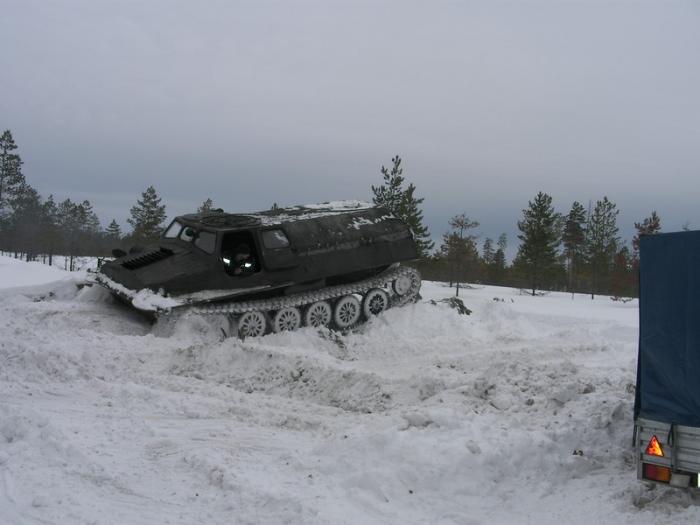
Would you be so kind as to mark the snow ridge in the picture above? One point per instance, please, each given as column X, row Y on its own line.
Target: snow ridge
column 518, row 413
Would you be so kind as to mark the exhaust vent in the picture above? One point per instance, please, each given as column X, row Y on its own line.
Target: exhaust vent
column 144, row 259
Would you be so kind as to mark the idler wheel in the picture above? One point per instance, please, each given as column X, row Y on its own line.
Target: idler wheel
column 286, row 319
column 407, row 285
column 318, row 314
column 402, row 285
column 375, row 302
column 347, row 311
column 252, row 324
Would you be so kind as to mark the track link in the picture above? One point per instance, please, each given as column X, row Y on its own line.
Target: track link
column 385, row 280
column 400, row 284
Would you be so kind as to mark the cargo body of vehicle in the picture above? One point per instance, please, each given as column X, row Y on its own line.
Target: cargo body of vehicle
column 667, row 403
column 279, row 268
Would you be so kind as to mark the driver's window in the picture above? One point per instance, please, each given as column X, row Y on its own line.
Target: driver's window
column 239, row 254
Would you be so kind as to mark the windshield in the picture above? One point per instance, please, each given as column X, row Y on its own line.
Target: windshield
column 173, row 230
column 203, row 240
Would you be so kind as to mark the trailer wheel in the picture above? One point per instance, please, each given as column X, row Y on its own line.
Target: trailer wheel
column 375, row 302
column 286, row 319
column 346, row 312
column 318, row 314
column 252, row 324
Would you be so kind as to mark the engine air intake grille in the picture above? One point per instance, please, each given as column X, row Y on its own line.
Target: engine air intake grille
column 144, row 259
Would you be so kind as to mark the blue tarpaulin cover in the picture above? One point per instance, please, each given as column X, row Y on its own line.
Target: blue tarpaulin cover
column 668, row 369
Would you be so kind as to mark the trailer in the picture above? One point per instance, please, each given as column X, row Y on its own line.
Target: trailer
column 667, row 399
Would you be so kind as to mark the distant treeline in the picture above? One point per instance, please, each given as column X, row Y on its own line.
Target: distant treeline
column 580, row 251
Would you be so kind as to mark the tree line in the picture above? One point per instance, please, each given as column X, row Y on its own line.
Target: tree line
column 32, row 227
column 579, row 251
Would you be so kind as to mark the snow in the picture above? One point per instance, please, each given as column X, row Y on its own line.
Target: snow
column 518, row 413
column 347, row 205
column 311, row 211
column 15, row 272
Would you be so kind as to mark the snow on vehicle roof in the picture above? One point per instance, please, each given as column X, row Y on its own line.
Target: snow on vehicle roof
column 279, row 215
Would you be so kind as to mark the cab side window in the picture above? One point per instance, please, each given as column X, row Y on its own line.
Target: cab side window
column 206, row 241
column 273, row 239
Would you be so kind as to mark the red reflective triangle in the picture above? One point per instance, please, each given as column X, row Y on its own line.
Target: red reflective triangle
column 654, row 447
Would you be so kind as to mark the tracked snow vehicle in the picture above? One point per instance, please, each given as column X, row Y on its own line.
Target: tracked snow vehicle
column 316, row 265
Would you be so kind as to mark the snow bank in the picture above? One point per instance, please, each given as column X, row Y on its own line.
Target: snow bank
column 14, row 273
column 518, row 413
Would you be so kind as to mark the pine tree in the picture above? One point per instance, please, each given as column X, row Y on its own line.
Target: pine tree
column 389, row 195
column 649, row 226
column 537, row 254
column 403, row 204
column 502, row 242
column 623, row 274
column 11, row 178
column 602, row 243
column 497, row 268
column 147, row 217
column 113, row 231
column 68, row 220
column 460, row 249
column 574, row 239
column 24, row 222
column 50, row 235
column 206, row 206
column 487, row 252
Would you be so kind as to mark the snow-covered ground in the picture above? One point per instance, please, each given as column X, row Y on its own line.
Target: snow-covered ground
column 518, row 413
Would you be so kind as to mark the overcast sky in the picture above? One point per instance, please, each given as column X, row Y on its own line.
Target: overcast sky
column 251, row 103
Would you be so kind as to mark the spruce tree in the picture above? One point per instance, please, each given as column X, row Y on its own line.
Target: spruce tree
column 537, row 254
column 602, row 243
column 403, row 204
column 147, row 217
column 574, row 239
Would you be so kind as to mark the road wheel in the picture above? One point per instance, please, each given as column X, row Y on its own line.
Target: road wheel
column 346, row 312
column 252, row 324
column 375, row 302
column 318, row 314
column 286, row 319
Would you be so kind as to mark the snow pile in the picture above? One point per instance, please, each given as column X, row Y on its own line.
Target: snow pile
column 518, row 413
column 15, row 272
